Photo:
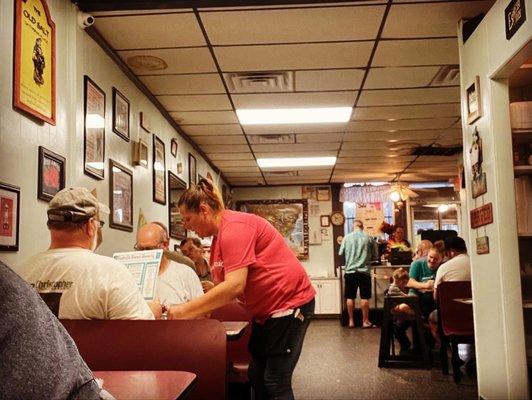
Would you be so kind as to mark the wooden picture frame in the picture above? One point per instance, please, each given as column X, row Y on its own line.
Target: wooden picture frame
column 120, row 114
column 120, row 197
column 145, row 121
column 52, row 174
column 9, row 217
column 94, row 130
column 323, row 193
column 159, row 171
column 140, row 153
column 34, row 69
column 473, row 101
column 192, row 172
column 176, row 226
column 325, row 221
column 173, row 147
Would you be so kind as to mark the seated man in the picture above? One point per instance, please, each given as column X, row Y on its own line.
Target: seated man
column 192, row 248
column 422, row 273
column 422, row 250
column 39, row 360
column 176, row 283
column 86, row 285
column 457, row 267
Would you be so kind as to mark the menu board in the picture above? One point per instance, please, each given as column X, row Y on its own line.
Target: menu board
column 144, row 265
column 371, row 215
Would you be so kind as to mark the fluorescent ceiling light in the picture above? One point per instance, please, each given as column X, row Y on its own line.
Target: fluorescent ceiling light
column 295, row 162
column 294, row 115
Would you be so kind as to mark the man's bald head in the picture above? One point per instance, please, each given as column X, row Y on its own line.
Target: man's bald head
column 424, row 247
column 152, row 236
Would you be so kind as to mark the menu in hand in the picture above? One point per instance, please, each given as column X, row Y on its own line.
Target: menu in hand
column 144, row 265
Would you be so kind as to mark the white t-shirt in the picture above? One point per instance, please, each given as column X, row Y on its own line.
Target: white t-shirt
column 178, row 284
column 456, row 269
column 92, row 286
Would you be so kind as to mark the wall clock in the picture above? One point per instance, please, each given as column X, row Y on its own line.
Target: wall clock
column 337, row 218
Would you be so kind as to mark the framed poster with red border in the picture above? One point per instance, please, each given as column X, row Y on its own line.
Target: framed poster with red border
column 34, row 61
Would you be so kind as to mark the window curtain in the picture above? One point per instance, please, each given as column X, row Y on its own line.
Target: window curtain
column 365, row 194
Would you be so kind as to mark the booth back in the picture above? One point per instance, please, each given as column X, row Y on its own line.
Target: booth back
column 197, row 346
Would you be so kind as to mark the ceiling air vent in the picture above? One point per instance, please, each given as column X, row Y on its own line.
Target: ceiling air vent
column 436, row 151
column 272, row 139
column 251, row 82
column 147, row 63
column 280, row 173
column 446, row 75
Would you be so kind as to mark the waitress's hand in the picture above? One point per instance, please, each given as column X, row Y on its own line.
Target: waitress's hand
column 179, row 311
column 207, row 285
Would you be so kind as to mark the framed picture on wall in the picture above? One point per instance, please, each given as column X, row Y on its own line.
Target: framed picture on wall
column 173, row 147
column 34, row 60
column 120, row 115
column 474, row 109
column 140, row 153
column 176, row 187
column 9, row 217
column 159, row 171
column 325, row 221
column 51, row 174
column 94, row 130
column 192, row 173
column 120, row 197
column 323, row 193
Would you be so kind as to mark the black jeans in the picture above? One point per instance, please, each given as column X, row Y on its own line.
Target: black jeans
column 275, row 348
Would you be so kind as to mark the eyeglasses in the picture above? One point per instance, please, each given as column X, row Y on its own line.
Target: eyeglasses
column 142, row 248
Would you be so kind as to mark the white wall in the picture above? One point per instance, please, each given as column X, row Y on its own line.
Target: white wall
column 321, row 256
column 498, row 313
column 76, row 55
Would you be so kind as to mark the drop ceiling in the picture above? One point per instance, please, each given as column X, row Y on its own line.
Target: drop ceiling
column 381, row 57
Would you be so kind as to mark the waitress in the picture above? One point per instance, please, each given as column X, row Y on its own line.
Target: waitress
column 251, row 261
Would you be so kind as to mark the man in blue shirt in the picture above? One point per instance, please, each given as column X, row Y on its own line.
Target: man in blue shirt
column 358, row 249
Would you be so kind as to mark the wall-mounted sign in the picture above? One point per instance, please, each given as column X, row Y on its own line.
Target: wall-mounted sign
column 478, row 184
column 473, row 101
column 483, row 245
column 481, row 216
column 514, row 16
column 34, row 70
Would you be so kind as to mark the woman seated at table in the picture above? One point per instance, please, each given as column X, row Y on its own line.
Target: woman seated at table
column 192, row 248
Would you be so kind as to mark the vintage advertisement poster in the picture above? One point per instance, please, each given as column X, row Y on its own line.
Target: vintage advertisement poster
column 371, row 215
column 122, row 197
column 144, row 265
column 9, row 217
column 34, row 69
column 159, row 171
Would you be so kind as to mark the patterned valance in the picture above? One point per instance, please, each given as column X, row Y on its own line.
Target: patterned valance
column 365, row 194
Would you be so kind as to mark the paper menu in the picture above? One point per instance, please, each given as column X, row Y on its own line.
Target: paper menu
column 144, row 265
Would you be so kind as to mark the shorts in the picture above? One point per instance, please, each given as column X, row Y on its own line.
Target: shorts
column 357, row 280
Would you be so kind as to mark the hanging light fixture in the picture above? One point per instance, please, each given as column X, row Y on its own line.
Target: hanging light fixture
column 395, row 196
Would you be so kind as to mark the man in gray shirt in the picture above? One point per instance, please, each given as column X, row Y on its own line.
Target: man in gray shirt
column 38, row 359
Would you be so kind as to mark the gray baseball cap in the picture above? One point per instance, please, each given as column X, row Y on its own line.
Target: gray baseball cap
column 75, row 204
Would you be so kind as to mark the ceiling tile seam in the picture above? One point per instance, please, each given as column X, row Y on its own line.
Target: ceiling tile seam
column 161, row 48
column 366, row 72
column 99, row 39
column 410, row 105
column 318, row 5
column 224, row 83
column 136, row 15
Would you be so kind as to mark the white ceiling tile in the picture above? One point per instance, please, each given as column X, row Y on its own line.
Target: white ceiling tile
column 242, row 174
column 391, row 53
column 456, row 157
column 294, row 100
column 210, row 130
column 414, row 136
column 319, row 137
column 316, row 172
column 187, row 60
column 230, row 156
column 294, row 128
column 361, row 177
column 299, row 179
column 370, row 162
column 401, row 124
column 298, row 25
column 439, row 19
column 204, row 117
column 214, row 148
column 215, row 102
column 296, row 56
column 149, row 31
column 232, row 139
column 307, row 153
column 409, row 96
column 399, row 112
column 239, row 169
column 236, row 163
column 368, row 145
column 336, row 79
column 399, row 77
column 364, row 154
column 289, row 148
column 184, row 84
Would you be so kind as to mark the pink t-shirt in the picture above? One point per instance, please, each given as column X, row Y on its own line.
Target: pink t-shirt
column 276, row 279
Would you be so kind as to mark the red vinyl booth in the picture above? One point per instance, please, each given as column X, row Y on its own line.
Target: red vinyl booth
column 197, row 346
